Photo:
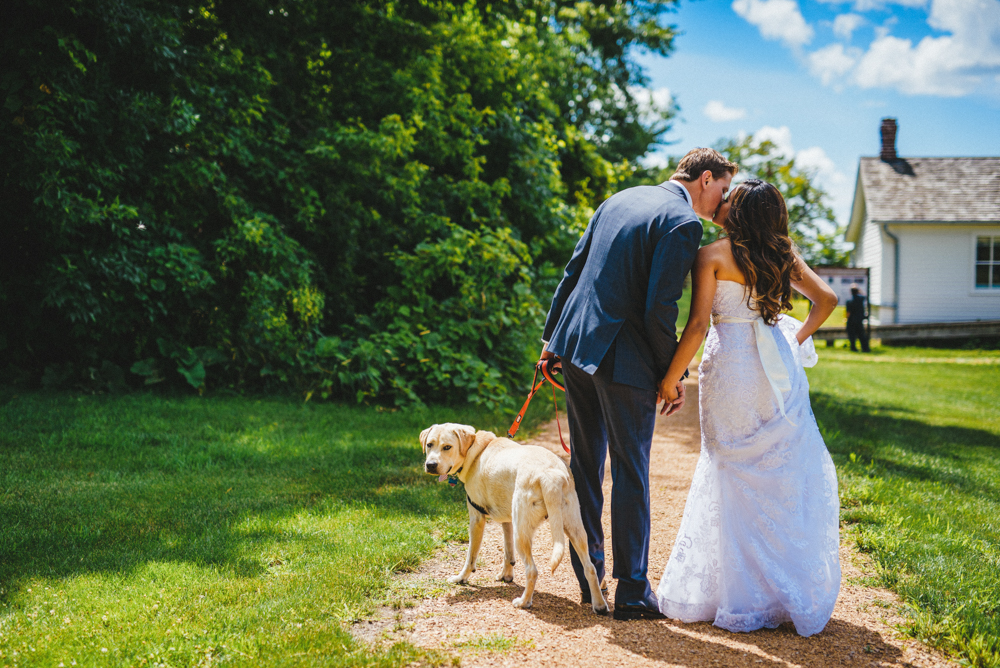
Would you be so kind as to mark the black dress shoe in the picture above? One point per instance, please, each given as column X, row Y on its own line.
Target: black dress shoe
column 585, row 596
column 628, row 611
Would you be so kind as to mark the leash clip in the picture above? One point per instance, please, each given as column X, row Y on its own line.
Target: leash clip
column 546, row 366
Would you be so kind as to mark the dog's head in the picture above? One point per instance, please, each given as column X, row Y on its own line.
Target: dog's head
column 445, row 447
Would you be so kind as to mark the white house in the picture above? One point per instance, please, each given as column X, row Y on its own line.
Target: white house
column 928, row 230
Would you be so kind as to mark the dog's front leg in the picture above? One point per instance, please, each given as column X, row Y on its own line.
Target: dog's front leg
column 477, row 522
column 507, row 574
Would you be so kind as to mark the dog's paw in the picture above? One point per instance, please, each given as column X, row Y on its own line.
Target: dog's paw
column 458, row 579
column 505, row 577
column 519, row 602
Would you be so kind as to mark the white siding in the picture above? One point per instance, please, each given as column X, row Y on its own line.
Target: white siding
column 869, row 254
column 887, row 263
column 936, row 274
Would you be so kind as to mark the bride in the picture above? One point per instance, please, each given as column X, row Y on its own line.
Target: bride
column 757, row 545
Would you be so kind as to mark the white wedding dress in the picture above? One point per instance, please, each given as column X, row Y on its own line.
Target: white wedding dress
column 758, row 543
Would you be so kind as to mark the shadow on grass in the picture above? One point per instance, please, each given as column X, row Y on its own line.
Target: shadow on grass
column 909, row 448
column 106, row 485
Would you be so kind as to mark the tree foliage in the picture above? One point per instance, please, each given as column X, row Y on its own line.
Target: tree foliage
column 349, row 199
column 811, row 222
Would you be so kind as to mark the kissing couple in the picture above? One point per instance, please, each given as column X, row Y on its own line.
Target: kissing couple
column 758, row 542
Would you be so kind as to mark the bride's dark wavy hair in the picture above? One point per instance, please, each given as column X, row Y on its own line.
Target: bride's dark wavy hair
column 757, row 228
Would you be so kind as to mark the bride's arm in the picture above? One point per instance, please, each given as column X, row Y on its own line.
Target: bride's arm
column 702, row 293
column 822, row 296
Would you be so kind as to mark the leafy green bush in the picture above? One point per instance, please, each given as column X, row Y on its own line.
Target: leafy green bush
column 457, row 328
column 250, row 195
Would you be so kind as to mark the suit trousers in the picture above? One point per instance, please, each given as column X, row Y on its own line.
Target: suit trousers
column 611, row 417
column 856, row 331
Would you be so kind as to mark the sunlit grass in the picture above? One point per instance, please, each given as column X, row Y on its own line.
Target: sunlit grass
column 141, row 530
column 800, row 311
column 910, row 354
column 917, row 446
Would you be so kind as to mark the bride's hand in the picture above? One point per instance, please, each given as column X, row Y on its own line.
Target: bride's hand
column 672, row 396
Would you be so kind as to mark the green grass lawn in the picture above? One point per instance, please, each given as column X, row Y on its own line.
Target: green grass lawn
column 143, row 530
column 152, row 530
column 915, row 433
column 800, row 311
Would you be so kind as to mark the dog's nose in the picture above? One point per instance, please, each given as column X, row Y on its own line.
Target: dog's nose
column 431, row 467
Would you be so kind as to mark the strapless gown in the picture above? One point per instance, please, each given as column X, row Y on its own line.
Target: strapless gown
column 758, row 542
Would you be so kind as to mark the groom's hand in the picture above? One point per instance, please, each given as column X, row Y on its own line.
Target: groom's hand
column 546, row 354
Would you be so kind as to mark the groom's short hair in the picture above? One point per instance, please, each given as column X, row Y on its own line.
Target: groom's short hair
column 697, row 160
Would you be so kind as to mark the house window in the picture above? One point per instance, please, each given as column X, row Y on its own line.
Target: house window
column 988, row 262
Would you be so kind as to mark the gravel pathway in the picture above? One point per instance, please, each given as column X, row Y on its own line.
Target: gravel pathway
column 478, row 623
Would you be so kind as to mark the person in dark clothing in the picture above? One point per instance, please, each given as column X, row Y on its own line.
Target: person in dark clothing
column 856, row 315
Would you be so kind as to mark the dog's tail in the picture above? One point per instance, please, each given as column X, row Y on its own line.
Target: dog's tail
column 554, row 493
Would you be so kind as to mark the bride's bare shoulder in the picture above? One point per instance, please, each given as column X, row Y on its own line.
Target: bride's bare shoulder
column 718, row 245
column 719, row 255
column 717, row 251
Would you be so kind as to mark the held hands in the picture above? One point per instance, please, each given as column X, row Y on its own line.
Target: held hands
column 672, row 396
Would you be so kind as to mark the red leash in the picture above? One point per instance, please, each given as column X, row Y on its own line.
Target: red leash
column 547, row 375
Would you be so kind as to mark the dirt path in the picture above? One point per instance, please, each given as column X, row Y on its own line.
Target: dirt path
column 479, row 623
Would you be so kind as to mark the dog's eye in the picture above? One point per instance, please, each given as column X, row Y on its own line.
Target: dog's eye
column 447, row 447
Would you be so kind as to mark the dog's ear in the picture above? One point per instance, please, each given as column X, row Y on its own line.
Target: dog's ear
column 466, row 436
column 423, row 438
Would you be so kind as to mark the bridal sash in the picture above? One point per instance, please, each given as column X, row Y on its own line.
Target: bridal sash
column 770, row 357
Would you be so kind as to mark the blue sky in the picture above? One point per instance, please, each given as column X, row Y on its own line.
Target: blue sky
column 817, row 76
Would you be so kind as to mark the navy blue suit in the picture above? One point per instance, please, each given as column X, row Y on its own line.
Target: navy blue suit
column 613, row 323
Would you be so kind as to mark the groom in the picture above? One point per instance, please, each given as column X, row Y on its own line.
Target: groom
column 612, row 324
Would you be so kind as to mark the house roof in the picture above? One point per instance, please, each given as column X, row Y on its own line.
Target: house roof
column 914, row 190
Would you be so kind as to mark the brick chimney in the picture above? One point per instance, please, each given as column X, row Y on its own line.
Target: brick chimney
column 888, row 131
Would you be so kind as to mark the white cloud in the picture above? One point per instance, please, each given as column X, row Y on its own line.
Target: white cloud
column 963, row 60
column 720, row 113
column 831, row 62
column 776, row 19
column 950, row 65
column 869, row 5
column 655, row 160
column 652, row 103
column 844, row 25
column 814, row 159
column 780, row 137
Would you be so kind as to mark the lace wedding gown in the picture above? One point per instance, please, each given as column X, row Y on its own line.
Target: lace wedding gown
column 758, row 543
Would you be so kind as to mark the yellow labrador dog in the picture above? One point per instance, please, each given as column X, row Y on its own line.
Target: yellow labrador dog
column 518, row 486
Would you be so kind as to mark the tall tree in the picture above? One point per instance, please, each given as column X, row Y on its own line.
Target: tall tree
column 811, row 221
column 353, row 198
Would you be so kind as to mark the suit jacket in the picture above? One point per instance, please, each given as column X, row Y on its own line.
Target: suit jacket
column 855, row 307
column 622, row 284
